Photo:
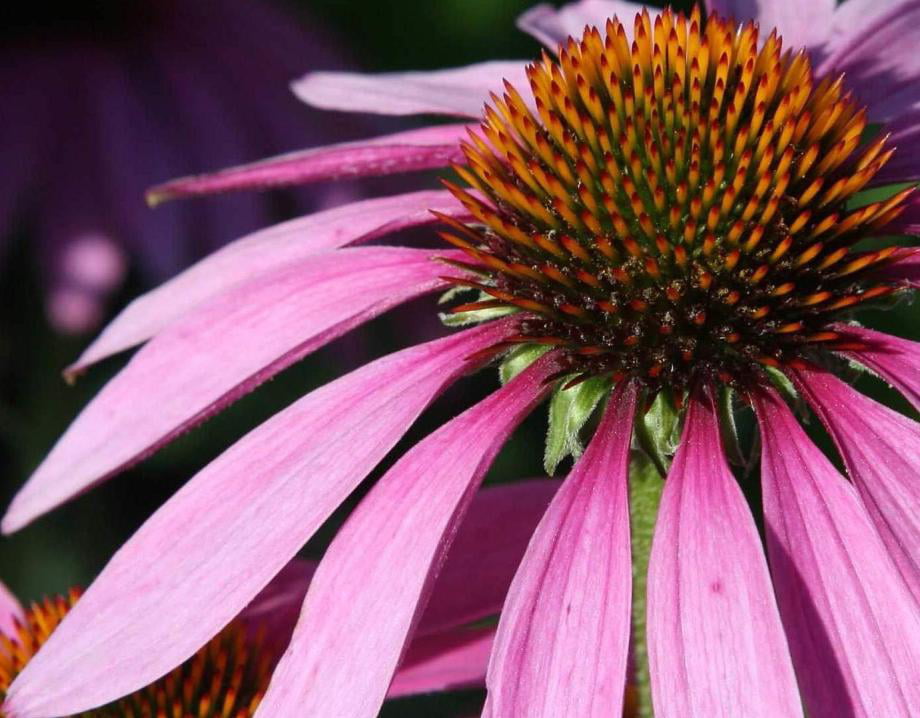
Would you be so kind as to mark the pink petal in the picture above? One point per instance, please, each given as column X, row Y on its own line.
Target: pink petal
column 219, row 540
column 220, row 351
column 875, row 46
column 260, row 253
column 896, row 360
column 427, row 148
column 11, row 611
column 904, row 267
column 563, row 636
column 853, row 629
column 716, row 645
column 881, row 450
column 553, row 26
column 444, row 661
column 460, row 91
column 801, row 24
column 376, row 575
column 485, row 554
column 904, row 166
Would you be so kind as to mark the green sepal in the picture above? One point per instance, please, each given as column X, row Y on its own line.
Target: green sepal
column 729, row 429
column 783, row 384
column 658, row 431
column 476, row 316
column 569, row 410
column 518, row 359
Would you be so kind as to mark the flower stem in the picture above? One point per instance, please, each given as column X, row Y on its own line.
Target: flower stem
column 645, row 486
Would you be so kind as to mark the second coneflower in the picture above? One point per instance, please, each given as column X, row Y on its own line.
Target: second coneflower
column 670, row 214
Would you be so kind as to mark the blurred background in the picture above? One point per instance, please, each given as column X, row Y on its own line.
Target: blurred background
column 105, row 98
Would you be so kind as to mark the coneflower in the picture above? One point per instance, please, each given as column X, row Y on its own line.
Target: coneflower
column 664, row 214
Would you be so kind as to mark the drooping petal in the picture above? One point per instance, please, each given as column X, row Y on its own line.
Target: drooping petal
column 715, row 642
column 375, row 578
column 260, row 253
column 853, row 629
column 443, row 661
column 219, row 352
column 873, row 43
column 563, row 636
column 552, row 26
column 801, row 24
column 11, row 611
column 881, row 450
column 459, row 91
column 904, row 267
column 896, row 360
column 206, row 553
column 427, row 148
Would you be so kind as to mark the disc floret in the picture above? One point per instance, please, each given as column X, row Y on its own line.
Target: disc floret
column 676, row 204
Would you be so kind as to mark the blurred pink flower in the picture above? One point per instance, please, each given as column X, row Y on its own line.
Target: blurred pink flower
column 641, row 251
column 101, row 102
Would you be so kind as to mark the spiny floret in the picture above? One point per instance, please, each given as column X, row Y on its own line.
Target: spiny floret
column 226, row 678
column 674, row 204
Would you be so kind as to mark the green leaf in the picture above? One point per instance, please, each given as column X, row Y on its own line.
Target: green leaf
column 518, row 359
column 569, row 410
column 658, row 431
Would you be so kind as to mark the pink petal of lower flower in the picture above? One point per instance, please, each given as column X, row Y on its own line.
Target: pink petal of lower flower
column 11, row 611
column 553, row 26
column 460, row 91
column 262, row 252
column 563, row 636
column 427, row 148
column 220, row 351
column 443, row 661
column 716, row 644
column 801, row 24
column 896, row 360
column 904, row 268
column 375, row 578
column 206, row 553
column 881, row 450
column 853, row 629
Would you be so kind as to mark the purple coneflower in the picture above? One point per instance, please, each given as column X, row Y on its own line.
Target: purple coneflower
column 104, row 100
column 665, row 212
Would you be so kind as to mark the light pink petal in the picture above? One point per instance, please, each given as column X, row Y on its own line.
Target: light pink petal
column 484, row 556
column 715, row 643
column 874, row 43
column 553, row 26
column 223, row 349
column 904, row 267
column 444, row 661
column 896, row 360
column 374, row 580
column 853, row 629
column 11, row 611
column 260, row 253
column 427, row 148
column 460, row 91
column 206, row 553
column 563, row 636
column 801, row 24
column 881, row 451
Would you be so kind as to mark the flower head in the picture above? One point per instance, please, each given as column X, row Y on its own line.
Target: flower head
column 669, row 217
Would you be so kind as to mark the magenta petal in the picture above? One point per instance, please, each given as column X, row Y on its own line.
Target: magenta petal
column 444, row 661
column 375, row 578
column 460, row 91
column 896, row 360
column 219, row 540
column 853, row 628
column 11, row 611
column 553, row 26
column 563, row 636
column 260, row 253
column 881, row 450
column 220, row 351
column 427, row 148
column 801, row 24
column 904, row 267
column 716, row 645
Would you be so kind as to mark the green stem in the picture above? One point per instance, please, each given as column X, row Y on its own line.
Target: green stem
column 645, row 486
